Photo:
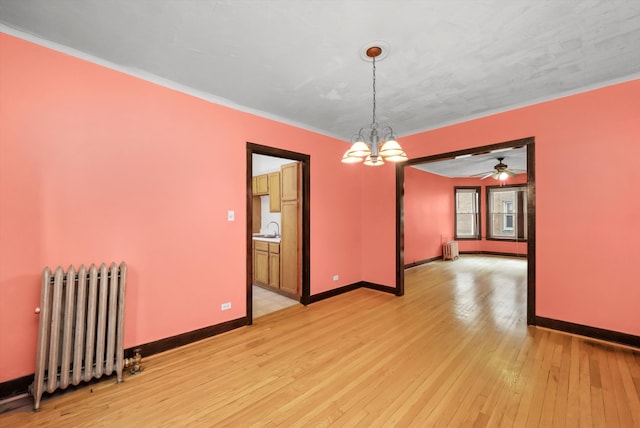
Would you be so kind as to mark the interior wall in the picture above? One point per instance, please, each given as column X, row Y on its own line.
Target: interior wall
column 377, row 221
column 428, row 214
column 586, row 155
column 97, row 165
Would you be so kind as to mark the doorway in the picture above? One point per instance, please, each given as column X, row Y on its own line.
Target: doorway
column 259, row 260
column 529, row 145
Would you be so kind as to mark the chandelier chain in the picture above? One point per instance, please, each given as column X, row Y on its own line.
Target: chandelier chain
column 374, row 92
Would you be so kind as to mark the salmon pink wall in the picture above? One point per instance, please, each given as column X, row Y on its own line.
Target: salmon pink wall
column 586, row 160
column 96, row 165
column 378, row 213
column 428, row 214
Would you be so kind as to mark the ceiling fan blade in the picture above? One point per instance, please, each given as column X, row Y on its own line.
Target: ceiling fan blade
column 487, row 175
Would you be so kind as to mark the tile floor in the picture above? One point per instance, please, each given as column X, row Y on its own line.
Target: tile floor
column 265, row 302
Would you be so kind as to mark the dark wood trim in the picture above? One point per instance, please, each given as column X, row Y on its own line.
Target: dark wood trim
column 422, row 262
column 305, row 160
column 470, row 151
column 21, row 385
column 334, row 292
column 399, row 230
column 15, row 387
column 478, row 190
column 531, row 232
column 182, row 339
column 306, row 230
column 495, row 253
column 521, row 225
column 249, row 237
column 590, row 332
column 505, row 186
column 10, row 403
column 529, row 142
column 379, row 287
column 347, row 288
column 484, row 253
column 22, row 397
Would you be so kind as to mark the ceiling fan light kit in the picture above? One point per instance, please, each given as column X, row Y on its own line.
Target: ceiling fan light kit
column 368, row 145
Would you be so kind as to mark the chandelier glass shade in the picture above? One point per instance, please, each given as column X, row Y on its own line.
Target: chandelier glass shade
column 372, row 145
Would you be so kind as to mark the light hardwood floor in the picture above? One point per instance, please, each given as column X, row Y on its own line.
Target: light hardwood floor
column 454, row 351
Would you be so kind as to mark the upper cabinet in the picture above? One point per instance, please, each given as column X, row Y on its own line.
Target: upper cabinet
column 274, row 192
column 289, row 176
column 260, row 185
column 268, row 184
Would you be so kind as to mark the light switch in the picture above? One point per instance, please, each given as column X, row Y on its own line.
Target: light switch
column 231, row 215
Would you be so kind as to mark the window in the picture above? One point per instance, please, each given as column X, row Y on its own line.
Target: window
column 507, row 220
column 507, row 213
column 467, row 212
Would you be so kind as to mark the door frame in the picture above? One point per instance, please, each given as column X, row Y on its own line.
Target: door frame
column 529, row 143
column 305, row 160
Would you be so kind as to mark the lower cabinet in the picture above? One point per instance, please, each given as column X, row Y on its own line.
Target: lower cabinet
column 266, row 263
column 274, row 265
column 260, row 263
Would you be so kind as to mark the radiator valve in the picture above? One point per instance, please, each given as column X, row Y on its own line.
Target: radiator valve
column 134, row 364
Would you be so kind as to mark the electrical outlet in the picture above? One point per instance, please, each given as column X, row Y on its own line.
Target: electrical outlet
column 335, row 277
column 231, row 216
column 225, row 306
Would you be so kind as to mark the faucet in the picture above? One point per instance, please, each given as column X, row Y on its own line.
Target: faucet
column 277, row 226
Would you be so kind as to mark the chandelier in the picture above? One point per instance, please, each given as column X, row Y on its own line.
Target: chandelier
column 374, row 145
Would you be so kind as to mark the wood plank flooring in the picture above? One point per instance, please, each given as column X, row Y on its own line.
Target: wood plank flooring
column 454, row 351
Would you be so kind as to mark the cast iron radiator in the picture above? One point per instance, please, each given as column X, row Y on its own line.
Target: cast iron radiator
column 450, row 251
column 81, row 327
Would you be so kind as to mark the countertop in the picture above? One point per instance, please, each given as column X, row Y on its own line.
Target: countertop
column 262, row 238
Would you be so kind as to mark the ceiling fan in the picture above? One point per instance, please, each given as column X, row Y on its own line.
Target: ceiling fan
column 501, row 171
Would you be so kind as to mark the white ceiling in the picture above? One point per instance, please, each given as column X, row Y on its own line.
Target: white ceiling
column 479, row 165
column 300, row 61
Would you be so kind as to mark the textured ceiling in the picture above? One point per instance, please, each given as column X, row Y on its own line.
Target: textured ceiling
column 299, row 61
column 479, row 165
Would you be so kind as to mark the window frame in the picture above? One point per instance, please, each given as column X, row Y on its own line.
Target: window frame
column 518, row 215
column 478, row 222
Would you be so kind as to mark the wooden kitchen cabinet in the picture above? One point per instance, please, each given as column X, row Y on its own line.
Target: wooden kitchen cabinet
column 290, row 179
column 268, row 184
column 260, row 185
column 266, row 263
column 291, row 235
column 260, row 262
column 256, row 214
column 274, row 192
column 274, row 265
column 290, row 254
